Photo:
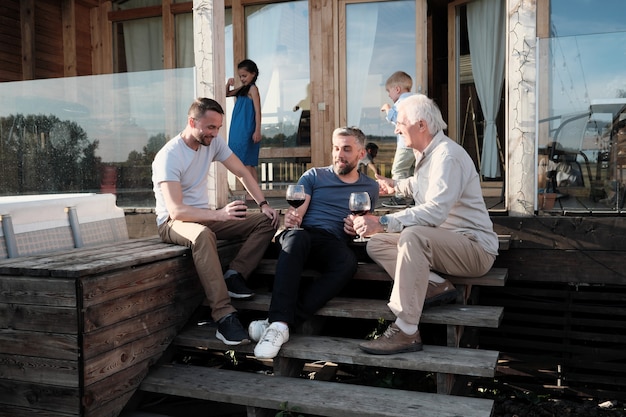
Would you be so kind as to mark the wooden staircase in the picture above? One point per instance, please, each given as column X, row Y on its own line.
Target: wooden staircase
column 263, row 394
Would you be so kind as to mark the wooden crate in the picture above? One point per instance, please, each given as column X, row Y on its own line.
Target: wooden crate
column 79, row 329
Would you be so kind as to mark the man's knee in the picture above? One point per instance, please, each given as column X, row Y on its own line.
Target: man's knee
column 205, row 237
column 295, row 240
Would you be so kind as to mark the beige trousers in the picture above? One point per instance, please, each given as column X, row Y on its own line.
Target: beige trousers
column 410, row 255
column 257, row 232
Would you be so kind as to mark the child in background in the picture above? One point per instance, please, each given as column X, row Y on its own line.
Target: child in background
column 398, row 87
column 244, row 137
column 371, row 150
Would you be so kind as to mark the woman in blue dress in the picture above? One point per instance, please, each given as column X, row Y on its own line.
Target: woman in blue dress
column 244, row 137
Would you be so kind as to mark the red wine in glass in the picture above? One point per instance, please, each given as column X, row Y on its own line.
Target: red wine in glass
column 295, row 197
column 359, row 205
column 295, row 203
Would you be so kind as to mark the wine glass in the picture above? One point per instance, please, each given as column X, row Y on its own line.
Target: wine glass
column 295, row 197
column 360, row 204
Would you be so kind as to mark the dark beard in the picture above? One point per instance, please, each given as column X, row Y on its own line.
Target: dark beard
column 346, row 170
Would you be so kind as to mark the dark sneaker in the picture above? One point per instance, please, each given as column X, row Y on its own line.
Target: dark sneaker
column 439, row 294
column 393, row 341
column 231, row 332
column 237, row 287
column 397, row 202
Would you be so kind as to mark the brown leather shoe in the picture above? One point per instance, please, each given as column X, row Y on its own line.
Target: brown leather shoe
column 393, row 341
column 439, row 293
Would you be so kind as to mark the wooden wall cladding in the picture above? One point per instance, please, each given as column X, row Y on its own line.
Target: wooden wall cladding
column 562, row 337
column 44, row 39
column 10, row 41
column 581, row 250
column 48, row 58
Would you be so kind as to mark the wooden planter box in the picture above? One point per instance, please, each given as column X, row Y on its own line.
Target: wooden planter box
column 79, row 329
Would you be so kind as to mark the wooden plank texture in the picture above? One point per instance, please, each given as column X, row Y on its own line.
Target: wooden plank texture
column 40, row 291
column 39, row 318
column 451, row 314
column 142, row 326
column 40, row 370
column 107, row 258
column 373, row 272
column 460, row 361
column 40, row 399
column 132, row 305
column 312, row 397
column 29, row 343
column 116, row 285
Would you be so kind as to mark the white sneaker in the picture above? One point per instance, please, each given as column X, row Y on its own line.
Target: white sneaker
column 256, row 329
column 270, row 342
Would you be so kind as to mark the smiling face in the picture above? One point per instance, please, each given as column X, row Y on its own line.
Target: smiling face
column 347, row 151
column 205, row 128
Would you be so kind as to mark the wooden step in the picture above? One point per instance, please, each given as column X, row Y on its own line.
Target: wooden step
column 496, row 277
column 450, row 314
column 441, row 359
column 307, row 396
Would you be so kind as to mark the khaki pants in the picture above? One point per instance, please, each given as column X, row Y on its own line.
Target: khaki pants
column 410, row 255
column 257, row 231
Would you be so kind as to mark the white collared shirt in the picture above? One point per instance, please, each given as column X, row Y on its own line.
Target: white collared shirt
column 447, row 193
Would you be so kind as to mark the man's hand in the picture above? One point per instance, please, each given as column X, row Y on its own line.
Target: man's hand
column 348, row 225
column 271, row 214
column 292, row 219
column 366, row 226
column 385, row 185
column 235, row 210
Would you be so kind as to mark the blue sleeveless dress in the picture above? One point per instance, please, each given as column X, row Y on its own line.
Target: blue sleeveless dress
column 242, row 126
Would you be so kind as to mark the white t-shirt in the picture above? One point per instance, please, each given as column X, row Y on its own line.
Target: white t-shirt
column 178, row 162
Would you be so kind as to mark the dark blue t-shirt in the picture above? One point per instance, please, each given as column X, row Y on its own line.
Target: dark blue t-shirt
column 330, row 197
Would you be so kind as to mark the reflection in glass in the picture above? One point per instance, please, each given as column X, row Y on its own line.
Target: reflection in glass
column 95, row 133
column 581, row 133
column 380, row 39
column 584, row 17
column 278, row 41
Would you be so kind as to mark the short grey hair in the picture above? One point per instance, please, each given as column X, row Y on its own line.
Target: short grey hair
column 351, row 131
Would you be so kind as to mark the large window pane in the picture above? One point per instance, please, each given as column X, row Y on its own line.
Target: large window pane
column 184, row 40
column 380, row 39
column 133, row 52
column 277, row 39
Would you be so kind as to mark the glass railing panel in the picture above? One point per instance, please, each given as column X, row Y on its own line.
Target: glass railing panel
column 90, row 134
column 581, row 123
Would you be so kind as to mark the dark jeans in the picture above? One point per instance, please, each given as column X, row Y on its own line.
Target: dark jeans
column 295, row 300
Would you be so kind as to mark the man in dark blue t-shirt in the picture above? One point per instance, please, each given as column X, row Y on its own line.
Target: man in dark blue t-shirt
column 321, row 244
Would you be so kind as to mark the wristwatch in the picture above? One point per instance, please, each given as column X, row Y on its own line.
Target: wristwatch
column 384, row 222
